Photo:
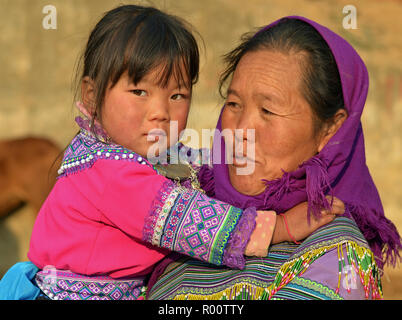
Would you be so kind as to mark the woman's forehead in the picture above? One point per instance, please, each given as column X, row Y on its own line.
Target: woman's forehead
column 268, row 74
column 270, row 61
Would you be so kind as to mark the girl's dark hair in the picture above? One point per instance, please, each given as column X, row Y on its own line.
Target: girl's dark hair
column 137, row 39
column 321, row 84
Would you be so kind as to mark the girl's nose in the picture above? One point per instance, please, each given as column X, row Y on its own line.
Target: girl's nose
column 158, row 111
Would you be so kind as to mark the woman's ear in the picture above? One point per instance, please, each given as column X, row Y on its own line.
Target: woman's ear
column 330, row 130
column 88, row 95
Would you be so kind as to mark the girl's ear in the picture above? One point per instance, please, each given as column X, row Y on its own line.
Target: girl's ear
column 329, row 131
column 88, row 95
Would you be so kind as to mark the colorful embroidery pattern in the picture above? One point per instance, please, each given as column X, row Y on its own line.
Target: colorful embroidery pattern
column 63, row 285
column 188, row 221
column 160, row 203
column 163, row 215
column 310, row 289
column 278, row 276
column 191, row 279
column 85, row 149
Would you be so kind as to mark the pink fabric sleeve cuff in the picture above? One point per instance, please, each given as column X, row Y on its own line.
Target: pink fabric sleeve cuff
column 262, row 235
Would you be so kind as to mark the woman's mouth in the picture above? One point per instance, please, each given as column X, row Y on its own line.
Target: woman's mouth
column 241, row 160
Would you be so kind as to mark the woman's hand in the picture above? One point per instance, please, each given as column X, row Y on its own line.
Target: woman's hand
column 298, row 225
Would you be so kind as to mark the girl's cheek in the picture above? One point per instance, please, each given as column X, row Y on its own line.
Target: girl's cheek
column 182, row 119
column 182, row 125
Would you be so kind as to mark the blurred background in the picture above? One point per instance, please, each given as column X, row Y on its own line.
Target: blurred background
column 37, row 66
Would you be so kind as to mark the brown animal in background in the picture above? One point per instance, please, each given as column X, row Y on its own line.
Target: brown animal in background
column 28, row 171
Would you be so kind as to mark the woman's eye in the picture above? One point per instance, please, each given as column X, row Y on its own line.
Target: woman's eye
column 139, row 92
column 231, row 104
column 266, row 111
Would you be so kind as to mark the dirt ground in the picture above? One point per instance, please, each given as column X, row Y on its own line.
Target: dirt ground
column 37, row 64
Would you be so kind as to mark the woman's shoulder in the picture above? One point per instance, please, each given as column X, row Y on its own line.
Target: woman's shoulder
column 328, row 256
column 340, row 230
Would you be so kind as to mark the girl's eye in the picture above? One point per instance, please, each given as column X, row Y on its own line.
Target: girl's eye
column 139, row 92
column 178, row 96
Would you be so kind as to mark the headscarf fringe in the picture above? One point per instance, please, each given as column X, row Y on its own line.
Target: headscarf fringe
column 278, row 187
column 378, row 231
column 317, row 185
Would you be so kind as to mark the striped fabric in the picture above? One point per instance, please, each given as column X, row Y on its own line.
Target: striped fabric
column 280, row 274
column 194, row 277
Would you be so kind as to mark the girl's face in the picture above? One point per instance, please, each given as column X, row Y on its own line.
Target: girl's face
column 131, row 111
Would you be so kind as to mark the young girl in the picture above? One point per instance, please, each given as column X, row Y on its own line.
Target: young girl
column 111, row 217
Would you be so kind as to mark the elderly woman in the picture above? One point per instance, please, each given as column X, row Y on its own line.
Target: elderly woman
column 302, row 88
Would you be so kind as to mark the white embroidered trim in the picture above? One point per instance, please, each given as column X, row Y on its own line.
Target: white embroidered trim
column 160, row 223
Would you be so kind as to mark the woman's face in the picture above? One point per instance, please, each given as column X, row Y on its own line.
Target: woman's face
column 265, row 95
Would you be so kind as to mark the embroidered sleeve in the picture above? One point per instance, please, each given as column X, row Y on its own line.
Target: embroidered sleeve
column 190, row 222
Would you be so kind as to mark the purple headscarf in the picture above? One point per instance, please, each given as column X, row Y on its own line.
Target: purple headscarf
column 339, row 169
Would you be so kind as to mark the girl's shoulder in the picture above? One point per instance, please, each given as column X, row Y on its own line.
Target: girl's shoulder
column 85, row 150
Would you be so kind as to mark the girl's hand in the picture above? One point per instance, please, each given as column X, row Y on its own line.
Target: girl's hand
column 298, row 224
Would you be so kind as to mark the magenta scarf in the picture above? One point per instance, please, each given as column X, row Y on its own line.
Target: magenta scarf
column 339, row 169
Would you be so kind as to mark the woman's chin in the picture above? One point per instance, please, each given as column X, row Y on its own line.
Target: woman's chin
column 246, row 184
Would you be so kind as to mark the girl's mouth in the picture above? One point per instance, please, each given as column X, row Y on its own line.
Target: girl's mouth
column 156, row 134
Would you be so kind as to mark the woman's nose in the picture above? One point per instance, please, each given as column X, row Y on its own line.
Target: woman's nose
column 244, row 136
column 244, row 124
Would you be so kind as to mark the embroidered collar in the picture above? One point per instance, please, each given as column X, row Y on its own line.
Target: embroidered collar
column 86, row 148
